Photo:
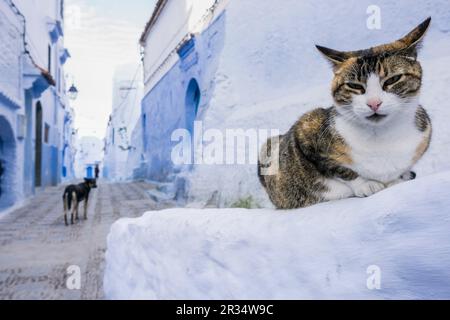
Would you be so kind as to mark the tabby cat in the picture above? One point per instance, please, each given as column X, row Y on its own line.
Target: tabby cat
column 368, row 141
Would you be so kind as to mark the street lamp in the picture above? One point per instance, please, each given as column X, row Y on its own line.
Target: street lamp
column 73, row 92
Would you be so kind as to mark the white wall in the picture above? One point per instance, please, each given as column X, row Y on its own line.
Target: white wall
column 270, row 72
column 36, row 12
column 11, row 148
column 178, row 19
column 10, row 49
column 126, row 110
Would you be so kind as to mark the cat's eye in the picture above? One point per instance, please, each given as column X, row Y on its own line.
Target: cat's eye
column 355, row 86
column 391, row 81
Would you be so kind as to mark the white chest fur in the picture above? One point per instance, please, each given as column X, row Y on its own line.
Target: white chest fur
column 381, row 153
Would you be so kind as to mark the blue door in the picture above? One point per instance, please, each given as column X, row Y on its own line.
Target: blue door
column 90, row 173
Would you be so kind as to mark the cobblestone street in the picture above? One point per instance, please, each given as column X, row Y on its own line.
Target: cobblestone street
column 36, row 248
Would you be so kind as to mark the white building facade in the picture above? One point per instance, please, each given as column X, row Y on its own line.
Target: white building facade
column 126, row 111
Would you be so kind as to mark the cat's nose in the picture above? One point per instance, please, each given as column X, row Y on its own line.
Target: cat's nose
column 374, row 104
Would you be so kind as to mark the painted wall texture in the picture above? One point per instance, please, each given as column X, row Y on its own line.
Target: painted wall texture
column 180, row 97
column 11, row 106
column 257, row 67
column 89, row 154
column 36, row 136
column 136, row 164
column 272, row 73
column 126, row 110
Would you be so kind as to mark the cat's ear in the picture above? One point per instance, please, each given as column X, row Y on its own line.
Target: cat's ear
column 411, row 43
column 334, row 56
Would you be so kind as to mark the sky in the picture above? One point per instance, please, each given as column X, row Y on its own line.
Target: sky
column 101, row 35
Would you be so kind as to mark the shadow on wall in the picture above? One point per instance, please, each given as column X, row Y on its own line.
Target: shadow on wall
column 7, row 167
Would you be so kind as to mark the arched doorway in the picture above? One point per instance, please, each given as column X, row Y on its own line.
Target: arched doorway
column 38, row 146
column 66, row 161
column 192, row 102
column 7, row 167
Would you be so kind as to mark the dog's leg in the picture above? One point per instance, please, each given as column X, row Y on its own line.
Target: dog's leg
column 65, row 200
column 85, row 208
column 76, row 213
column 75, row 207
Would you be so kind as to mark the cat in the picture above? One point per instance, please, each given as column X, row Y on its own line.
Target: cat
column 368, row 141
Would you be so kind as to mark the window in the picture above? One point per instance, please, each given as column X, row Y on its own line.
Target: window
column 46, row 133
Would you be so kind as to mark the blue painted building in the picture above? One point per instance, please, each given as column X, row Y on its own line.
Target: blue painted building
column 181, row 44
column 35, row 117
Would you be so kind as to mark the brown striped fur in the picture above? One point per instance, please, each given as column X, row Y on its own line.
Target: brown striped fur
column 313, row 151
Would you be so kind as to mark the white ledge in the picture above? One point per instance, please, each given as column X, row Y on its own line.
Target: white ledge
column 322, row 252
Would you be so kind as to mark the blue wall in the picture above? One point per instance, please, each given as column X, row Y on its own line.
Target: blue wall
column 168, row 106
column 7, row 163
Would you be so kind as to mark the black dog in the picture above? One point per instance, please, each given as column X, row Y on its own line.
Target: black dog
column 73, row 195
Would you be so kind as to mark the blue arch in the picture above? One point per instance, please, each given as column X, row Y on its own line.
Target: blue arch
column 193, row 95
column 7, row 167
column 64, row 168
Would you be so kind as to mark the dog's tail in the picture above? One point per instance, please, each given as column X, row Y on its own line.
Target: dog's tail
column 67, row 199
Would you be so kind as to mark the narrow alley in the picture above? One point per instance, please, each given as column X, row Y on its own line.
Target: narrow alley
column 36, row 248
column 233, row 153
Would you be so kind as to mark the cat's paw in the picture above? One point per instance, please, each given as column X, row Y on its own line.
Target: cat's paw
column 408, row 176
column 368, row 188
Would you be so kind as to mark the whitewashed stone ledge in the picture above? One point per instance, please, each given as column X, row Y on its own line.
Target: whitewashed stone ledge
column 320, row 252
